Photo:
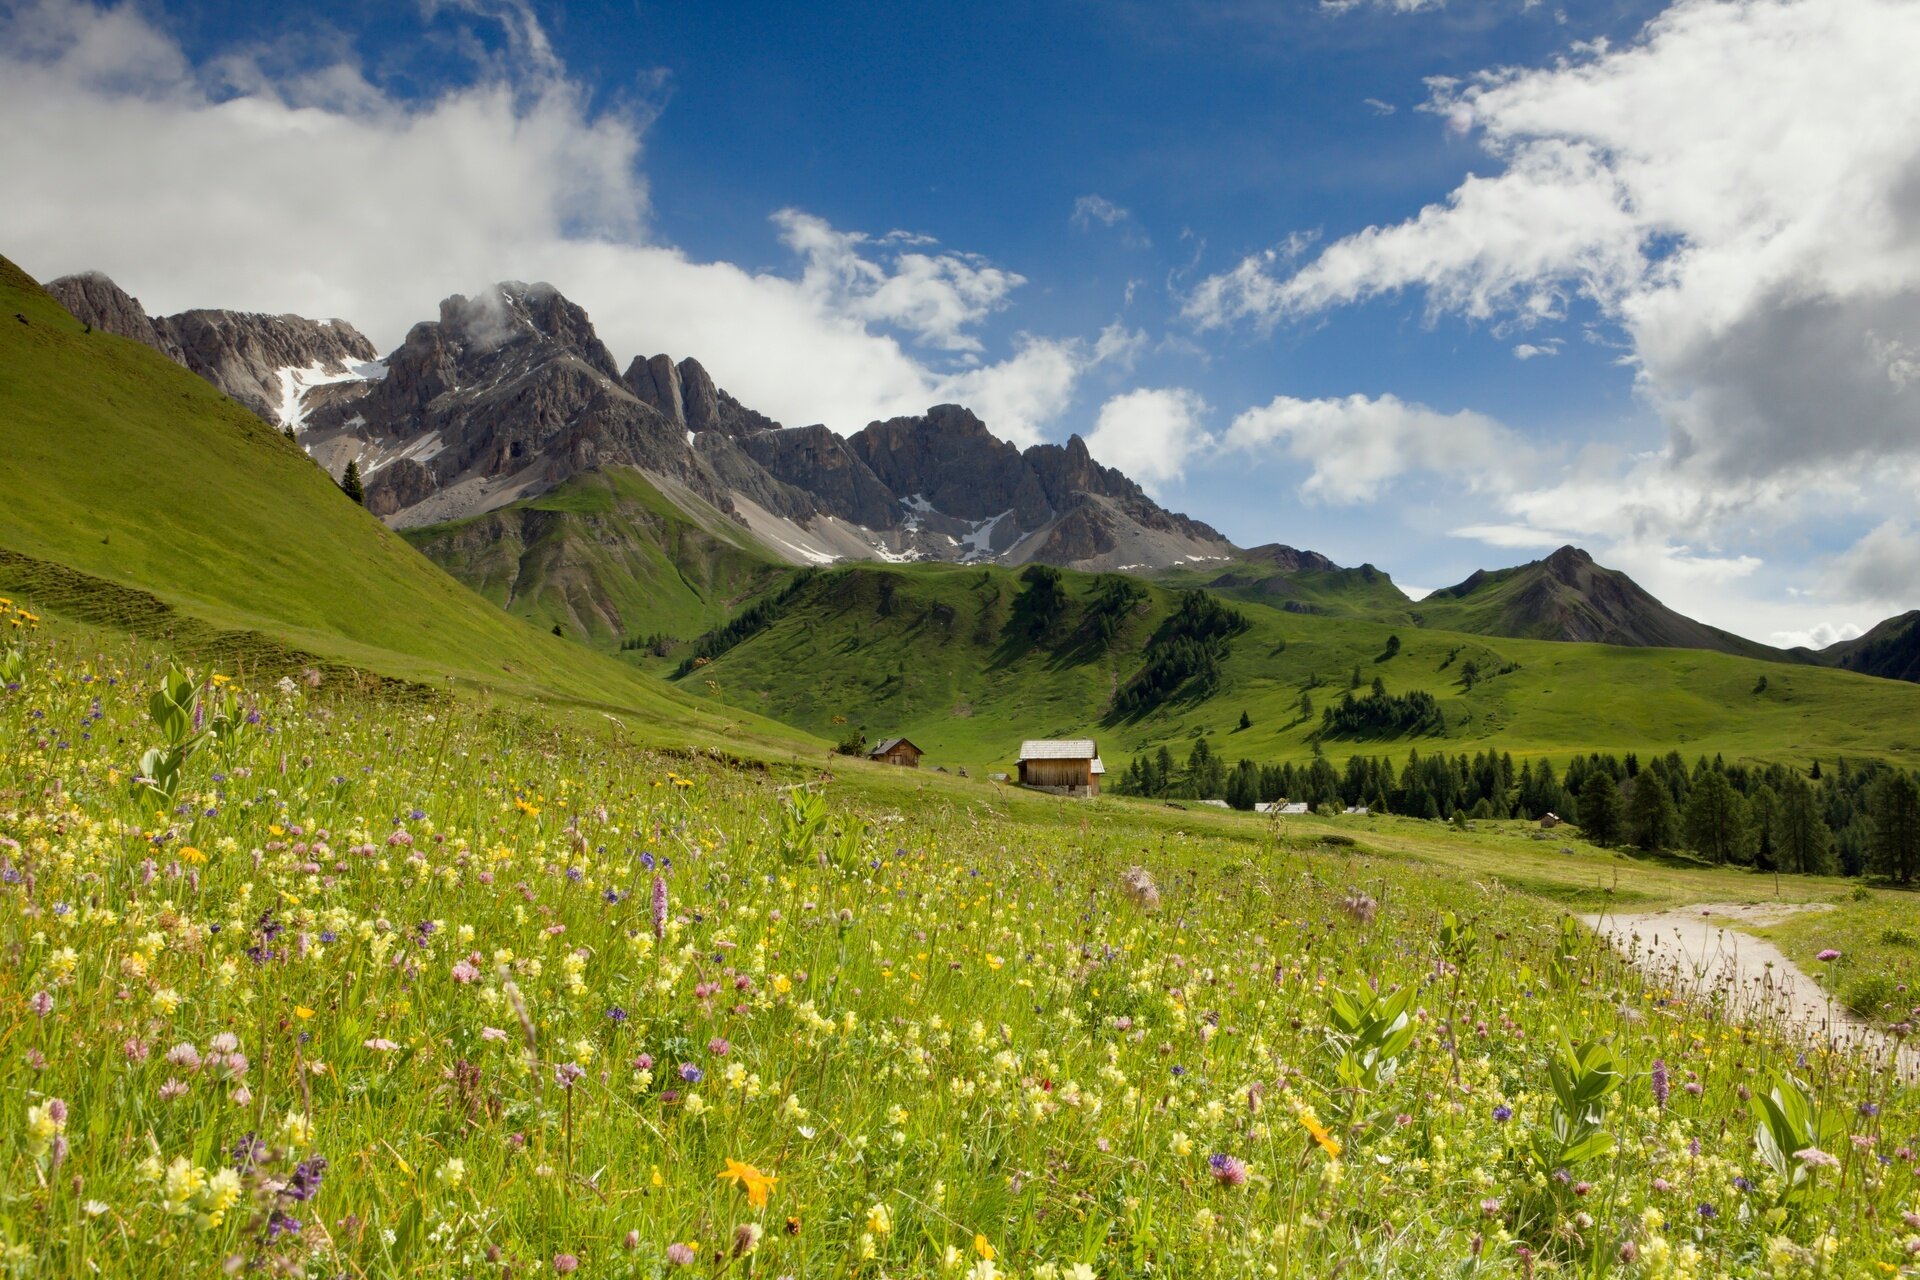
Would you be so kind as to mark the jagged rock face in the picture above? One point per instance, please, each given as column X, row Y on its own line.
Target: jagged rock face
column 827, row 473
column 657, row 383
column 246, row 355
column 507, row 394
column 950, row 459
column 98, row 301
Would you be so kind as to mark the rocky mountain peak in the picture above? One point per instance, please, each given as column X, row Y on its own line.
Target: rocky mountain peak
column 249, row 356
column 513, row 313
column 93, row 297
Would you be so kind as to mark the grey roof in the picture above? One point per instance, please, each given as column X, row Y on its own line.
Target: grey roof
column 1298, row 806
column 1098, row 766
column 1058, row 749
column 887, row 744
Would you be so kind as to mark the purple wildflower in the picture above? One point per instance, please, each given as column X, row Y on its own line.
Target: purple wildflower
column 1228, row 1171
column 691, row 1074
column 1502, row 1113
column 1660, row 1084
column 659, row 908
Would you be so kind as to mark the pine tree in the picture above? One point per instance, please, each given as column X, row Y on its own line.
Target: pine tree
column 350, row 484
column 1599, row 814
column 1650, row 816
column 1245, row 723
column 1894, row 851
column 1801, row 840
column 1716, row 819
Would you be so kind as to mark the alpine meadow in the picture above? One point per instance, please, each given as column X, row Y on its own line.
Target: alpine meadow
column 646, row 641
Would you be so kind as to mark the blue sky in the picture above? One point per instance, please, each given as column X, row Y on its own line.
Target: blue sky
column 1436, row 285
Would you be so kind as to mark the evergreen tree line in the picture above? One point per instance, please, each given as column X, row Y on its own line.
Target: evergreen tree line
column 746, row 624
column 1183, row 656
column 1853, row 819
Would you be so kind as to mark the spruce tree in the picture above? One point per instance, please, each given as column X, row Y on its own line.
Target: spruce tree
column 350, row 484
column 1599, row 814
column 1801, row 840
column 1650, row 816
column 1894, row 851
column 1716, row 819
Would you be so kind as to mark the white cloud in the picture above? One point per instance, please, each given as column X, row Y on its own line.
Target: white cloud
column 1528, row 351
column 1380, row 107
column 1151, row 434
column 935, row 297
column 1737, row 191
column 1355, row 446
column 1819, row 636
column 1884, row 566
column 317, row 192
column 1394, row 6
column 1516, row 536
column 1092, row 210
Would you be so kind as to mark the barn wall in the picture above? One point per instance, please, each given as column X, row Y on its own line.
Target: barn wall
column 1057, row 773
column 903, row 755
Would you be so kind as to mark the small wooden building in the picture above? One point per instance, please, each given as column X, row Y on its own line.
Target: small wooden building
column 1549, row 822
column 1067, row 766
column 896, row 751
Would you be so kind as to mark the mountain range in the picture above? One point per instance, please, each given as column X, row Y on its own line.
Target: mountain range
column 646, row 503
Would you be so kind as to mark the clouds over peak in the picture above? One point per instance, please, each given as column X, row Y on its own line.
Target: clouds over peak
column 1152, row 434
column 338, row 197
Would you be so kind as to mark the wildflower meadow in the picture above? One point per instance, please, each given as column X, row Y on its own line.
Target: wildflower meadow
column 295, row 984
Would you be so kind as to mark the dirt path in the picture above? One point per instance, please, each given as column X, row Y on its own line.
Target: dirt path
column 1692, row 949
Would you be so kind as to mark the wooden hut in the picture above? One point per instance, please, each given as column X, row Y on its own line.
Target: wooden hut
column 1066, row 766
column 1549, row 822
column 896, row 751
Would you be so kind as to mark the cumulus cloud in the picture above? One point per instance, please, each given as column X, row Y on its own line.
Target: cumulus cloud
column 1736, row 191
column 1884, row 566
column 1355, row 446
column 1151, row 434
column 1819, row 636
column 311, row 189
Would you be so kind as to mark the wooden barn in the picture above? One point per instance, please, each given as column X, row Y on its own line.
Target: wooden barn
column 1066, row 766
column 896, row 751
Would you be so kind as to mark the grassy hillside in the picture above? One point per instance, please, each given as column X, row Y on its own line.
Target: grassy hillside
column 140, row 497
column 943, row 655
column 606, row 556
column 1566, row 596
column 395, row 995
column 1364, row 592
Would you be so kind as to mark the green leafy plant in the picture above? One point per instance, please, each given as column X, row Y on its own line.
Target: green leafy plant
column 1367, row 1034
column 1793, row 1135
column 1582, row 1077
column 189, row 718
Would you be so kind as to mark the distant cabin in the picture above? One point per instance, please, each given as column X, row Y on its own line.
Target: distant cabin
column 1065, row 766
column 1282, row 807
column 1355, row 811
column 1549, row 822
column 896, row 751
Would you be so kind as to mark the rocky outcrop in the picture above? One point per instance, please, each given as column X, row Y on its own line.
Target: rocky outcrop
column 95, row 299
column 246, row 355
column 506, row 394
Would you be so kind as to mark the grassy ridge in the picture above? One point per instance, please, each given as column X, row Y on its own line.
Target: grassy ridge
column 605, row 556
column 935, row 652
column 121, row 467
